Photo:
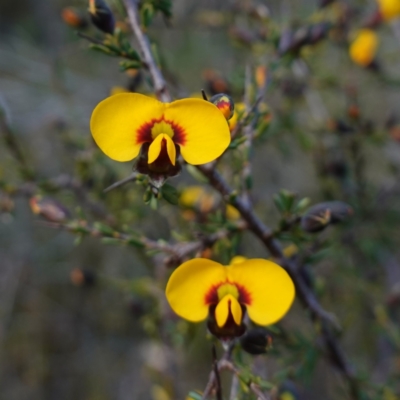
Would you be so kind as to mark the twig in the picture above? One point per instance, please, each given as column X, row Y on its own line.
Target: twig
column 222, row 364
column 216, row 373
column 132, row 177
column 266, row 235
column 257, row 391
column 89, row 38
column 177, row 252
column 160, row 87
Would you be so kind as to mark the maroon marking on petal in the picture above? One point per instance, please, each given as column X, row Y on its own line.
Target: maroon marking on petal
column 244, row 294
column 143, row 134
column 179, row 133
column 211, row 296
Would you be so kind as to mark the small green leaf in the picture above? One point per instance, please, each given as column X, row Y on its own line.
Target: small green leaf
column 170, row 194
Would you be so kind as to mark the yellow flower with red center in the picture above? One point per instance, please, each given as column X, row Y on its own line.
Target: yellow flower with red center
column 200, row 288
column 389, row 9
column 123, row 123
column 364, row 47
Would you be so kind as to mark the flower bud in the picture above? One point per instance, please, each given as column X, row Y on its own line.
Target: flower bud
column 256, row 341
column 49, row 209
column 101, row 16
column 82, row 278
column 215, row 83
column 74, row 18
column 224, row 103
column 364, row 47
column 318, row 217
column 6, row 203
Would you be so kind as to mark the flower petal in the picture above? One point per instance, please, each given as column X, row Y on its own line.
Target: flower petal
column 228, row 303
column 222, row 311
column 269, row 288
column 116, row 121
column 189, row 285
column 171, row 149
column 236, row 310
column 206, row 132
column 363, row 49
column 155, row 149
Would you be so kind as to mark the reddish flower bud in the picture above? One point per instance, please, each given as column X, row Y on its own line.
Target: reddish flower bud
column 224, row 103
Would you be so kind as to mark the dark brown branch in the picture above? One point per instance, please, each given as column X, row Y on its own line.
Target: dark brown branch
column 265, row 234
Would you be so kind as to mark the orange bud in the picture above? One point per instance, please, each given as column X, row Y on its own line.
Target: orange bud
column 73, row 18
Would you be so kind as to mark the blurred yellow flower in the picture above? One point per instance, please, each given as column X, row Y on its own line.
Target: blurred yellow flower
column 238, row 112
column 232, row 213
column 389, row 9
column 200, row 288
column 364, row 47
column 122, row 123
column 197, row 197
column 202, row 200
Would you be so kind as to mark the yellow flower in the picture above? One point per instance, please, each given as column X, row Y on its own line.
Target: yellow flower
column 200, row 288
column 122, row 123
column 389, row 9
column 363, row 49
column 202, row 200
column 198, row 198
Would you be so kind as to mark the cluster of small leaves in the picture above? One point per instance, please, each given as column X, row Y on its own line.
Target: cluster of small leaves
column 149, row 8
column 118, row 45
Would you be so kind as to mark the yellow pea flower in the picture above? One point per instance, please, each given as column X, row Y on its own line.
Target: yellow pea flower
column 364, row 47
column 389, row 9
column 199, row 288
column 198, row 198
column 122, row 123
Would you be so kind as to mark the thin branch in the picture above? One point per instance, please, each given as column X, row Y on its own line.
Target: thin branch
column 132, row 177
column 177, row 252
column 257, row 391
column 160, row 87
column 216, row 373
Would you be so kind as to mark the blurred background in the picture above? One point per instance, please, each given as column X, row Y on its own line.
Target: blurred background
column 74, row 322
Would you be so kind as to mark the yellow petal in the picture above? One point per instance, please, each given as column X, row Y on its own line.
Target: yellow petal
column 157, row 145
column 171, row 150
column 155, row 148
column 236, row 310
column 206, row 132
column 189, row 285
column 228, row 303
column 267, row 286
column 116, row 122
column 237, row 260
column 222, row 310
column 389, row 9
